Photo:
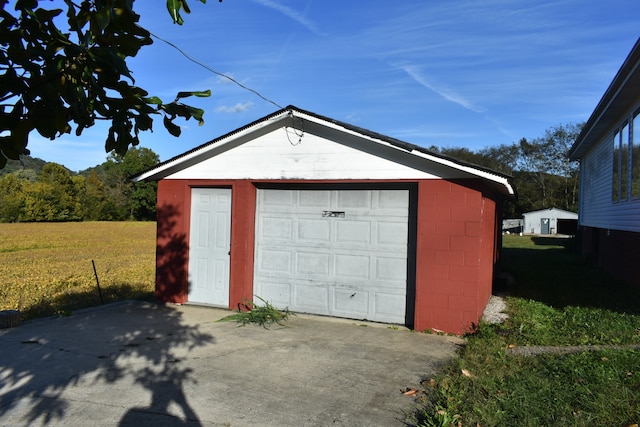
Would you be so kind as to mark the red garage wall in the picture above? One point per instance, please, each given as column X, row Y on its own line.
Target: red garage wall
column 456, row 248
column 172, row 247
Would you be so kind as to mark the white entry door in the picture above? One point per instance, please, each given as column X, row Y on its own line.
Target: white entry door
column 209, row 246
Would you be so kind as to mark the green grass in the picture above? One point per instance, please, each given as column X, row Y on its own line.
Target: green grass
column 557, row 300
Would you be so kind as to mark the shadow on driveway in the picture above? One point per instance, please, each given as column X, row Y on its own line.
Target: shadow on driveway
column 138, row 363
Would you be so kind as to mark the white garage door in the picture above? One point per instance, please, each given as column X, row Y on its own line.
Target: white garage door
column 336, row 252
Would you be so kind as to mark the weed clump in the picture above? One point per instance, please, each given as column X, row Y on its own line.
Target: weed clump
column 262, row 315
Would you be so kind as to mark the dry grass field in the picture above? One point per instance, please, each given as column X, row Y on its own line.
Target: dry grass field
column 46, row 268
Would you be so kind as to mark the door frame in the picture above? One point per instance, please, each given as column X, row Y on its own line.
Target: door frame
column 223, row 300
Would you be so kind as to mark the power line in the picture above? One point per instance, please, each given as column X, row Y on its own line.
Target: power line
column 195, row 61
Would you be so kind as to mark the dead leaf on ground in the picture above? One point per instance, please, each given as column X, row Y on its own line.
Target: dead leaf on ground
column 467, row 374
column 409, row 391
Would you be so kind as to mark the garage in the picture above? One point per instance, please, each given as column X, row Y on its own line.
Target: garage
column 341, row 253
column 320, row 216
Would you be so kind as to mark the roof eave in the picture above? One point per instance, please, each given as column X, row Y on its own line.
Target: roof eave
column 623, row 91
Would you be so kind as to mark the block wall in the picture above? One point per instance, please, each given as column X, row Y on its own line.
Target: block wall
column 454, row 255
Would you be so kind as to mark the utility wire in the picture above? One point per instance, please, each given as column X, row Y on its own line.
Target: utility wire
column 195, row 61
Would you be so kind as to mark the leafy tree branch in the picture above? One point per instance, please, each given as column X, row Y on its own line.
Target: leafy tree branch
column 55, row 78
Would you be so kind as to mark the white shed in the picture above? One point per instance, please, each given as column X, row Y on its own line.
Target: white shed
column 550, row 221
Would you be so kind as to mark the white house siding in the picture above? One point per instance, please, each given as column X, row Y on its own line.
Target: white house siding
column 596, row 206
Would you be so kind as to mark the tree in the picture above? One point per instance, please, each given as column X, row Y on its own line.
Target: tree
column 11, row 198
column 53, row 78
column 562, row 137
column 546, row 162
column 53, row 197
column 502, row 158
column 134, row 201
column 543, row 175
column 93, row 197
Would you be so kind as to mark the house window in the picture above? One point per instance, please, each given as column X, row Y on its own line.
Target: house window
column 615, row 188
column 635, row 155
column 626, row 160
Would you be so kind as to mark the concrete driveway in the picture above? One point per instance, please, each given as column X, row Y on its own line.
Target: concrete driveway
column 135, row 363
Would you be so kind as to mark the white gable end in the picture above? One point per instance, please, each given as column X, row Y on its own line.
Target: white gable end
column 286, row 153
column 296, row 145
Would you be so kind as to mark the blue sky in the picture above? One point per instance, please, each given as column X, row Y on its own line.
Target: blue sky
column 446, row 73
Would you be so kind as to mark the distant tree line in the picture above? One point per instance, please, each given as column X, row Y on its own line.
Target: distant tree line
column 32, row 190
column 543, row 175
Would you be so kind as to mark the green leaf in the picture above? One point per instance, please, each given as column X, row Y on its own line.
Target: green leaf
column 173, row 6
column 103, row 17
column 143, row 122
column 200, row 94
column 153, row 100
column 172, row 127
column 197, row 114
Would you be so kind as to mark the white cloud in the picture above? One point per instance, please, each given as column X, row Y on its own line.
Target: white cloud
column 444, row 92
column 225, row 79
column 353, row 118
column 238, row 108
column 290, row 13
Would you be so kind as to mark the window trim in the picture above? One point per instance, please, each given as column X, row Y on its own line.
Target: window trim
column 618, row 172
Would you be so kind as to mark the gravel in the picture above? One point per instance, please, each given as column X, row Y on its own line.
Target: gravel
column 495, row 310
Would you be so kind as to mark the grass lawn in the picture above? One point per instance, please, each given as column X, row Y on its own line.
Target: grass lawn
column 46, row 268
column 557, row 300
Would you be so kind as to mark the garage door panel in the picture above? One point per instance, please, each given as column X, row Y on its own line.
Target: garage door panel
column 391, row 233
column 358, row 232
column 353, row 199
column 391, row 269
column 314, row 229
column 314, row 198
column 349, row 266
column 275, row 261
column 279, row 293
column 348, row 302
column 276, row 228
column 278, row 199
column 314, row 298
column 388, row 306
column 392, row 199
column 346, row 254
column 313, row 263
